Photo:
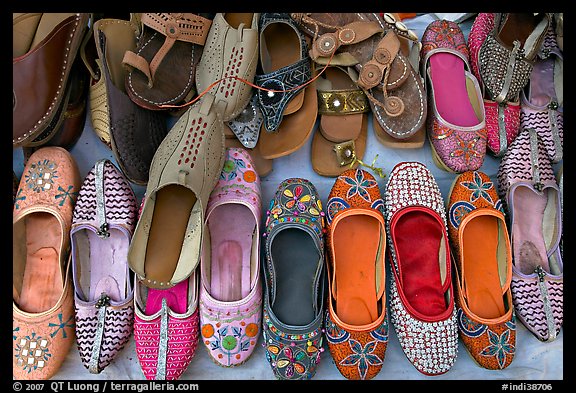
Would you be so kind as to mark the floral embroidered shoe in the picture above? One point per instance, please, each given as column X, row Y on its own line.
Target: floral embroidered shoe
column 43, row 300
column 231, row 290
column 482, row 270
column 294, row 280
column 528, row 186
column 456, row 118
column 502, row 119
column 356, row 316
column 102, row 226
column 421, row 295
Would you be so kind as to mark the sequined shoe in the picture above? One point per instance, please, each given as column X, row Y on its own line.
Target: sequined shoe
column 421, row 294
column 43, row 299
column 102, row 226
column 527, row 184
column 356, row 316
column 294, row 280
column 482, row 270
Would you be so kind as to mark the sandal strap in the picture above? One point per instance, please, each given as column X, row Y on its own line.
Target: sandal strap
column 352, row 33
column 374, row 70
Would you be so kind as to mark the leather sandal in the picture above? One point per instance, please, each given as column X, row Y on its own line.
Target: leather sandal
column 343, row 128
column 288, row 105
column 378, row 48
column 162, row 67
column 47, row 42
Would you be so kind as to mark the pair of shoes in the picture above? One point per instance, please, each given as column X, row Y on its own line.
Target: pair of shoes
column 378, row 48
column 165, row 251
column 529, row 188
column 456, row 118
column 54, row 114
column 482, row 260
column 102, row 226
column 43, row 300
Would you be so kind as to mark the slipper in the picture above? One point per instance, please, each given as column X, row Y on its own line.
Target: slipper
column 542, row 100
column 231, row 291
column 47, row 42
column 482, row 268
column 100, row 238
column 162, row 67
column 456, row 119
column 421, row 290
column 356, row 238
column 378, row 49
column 343, row 128
column 294, row 280
column 528, row 185
column 291, row 108
column 43, row 300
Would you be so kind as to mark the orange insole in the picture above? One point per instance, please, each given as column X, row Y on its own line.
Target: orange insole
column 42, row 282
column 356, row 241
column 234, row 19
column 481, row 279
column 172, row 210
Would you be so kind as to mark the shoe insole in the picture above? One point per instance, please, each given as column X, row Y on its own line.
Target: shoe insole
column 418, row 237
column 47, row 24
column 356, row 243
column 280, row 47
column 541, row 86
column 518, row 26
column 103, row 264
column 295, row 258
column 448, row 77
column 528, row 239
column 172, row 210
column 234, row 19
column 232, row 229
column 42, row 283
column 176, row 298
column 24, row 26
column 480, row 259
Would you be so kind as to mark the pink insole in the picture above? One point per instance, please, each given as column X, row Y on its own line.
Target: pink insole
column 42, row 282
column 542, row 82
column 450, row 93
column 176, row 298
column 528, row 243
column 231, row 232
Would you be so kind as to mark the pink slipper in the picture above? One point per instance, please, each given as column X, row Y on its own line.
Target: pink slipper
column 456, row 119
column 231, row 291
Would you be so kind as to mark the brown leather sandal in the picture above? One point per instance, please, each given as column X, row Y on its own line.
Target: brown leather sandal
column 378, row 49
column 162, row 69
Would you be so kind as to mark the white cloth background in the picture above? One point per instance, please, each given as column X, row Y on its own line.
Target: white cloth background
column 534, row 360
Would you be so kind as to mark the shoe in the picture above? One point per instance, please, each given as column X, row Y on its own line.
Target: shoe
column 286, row 98
column 43, row 300
column 502, row 119
column 456, row 118
column 542, row 100
column 102, row 225
column 421, row 290
column 343, row 128
column 356, row 316
column 294, row 277
column 231, row 289
column 162, row 67
column 135, row 132
column 527, row 184
column 49, row 42
column 482, row 261
column 231, row 50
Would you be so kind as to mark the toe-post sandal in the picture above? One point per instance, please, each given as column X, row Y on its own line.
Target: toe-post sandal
column 162, row 67
column 166, row 246
column 527, row 185
column 294, row 276
column 104, row 218
column 357, row 314
column 286, row 97
column 43, row 294
column 482, row 261
column 377, row 48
